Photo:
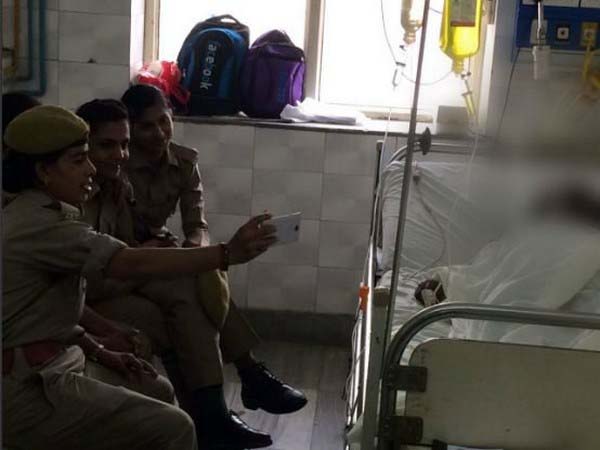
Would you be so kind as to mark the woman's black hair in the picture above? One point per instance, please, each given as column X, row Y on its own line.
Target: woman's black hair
column 100, row 111
column 15, row 103
column 140, row 97
column 18, row 170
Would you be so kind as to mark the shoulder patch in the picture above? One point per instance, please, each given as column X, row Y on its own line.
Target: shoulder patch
column 70, row 212
column 66, row 211
column 54, row 206
column 184, row 153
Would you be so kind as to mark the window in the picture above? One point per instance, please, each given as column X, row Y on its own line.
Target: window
column 349, row 61
column 358, row 68
column 178, row 17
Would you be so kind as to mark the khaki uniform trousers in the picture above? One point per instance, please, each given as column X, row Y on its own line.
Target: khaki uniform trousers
column 71, row 404
column 171, row 312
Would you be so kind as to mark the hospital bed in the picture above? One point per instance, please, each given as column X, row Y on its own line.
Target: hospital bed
column 442, row 225
column 437, row 184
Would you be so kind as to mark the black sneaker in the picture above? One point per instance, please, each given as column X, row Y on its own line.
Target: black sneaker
column 261, row 389
column 233, row 434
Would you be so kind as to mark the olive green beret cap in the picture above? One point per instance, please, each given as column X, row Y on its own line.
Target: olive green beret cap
column 45, row 129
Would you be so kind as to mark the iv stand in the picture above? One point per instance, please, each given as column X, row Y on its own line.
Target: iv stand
column 408, row 163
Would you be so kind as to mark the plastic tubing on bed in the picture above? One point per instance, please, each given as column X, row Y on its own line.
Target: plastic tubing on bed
column 445, row 311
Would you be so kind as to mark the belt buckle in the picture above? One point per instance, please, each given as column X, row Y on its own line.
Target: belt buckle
column 39, row 353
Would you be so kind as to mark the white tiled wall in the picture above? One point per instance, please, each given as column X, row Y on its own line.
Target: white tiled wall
column 347, row 198
column 328, row 176
column 90, row 46
column 115, row 7
column 289, row 151
column 281, row 286
column 231, row 146
column 81, row 82
column 285, row 192
column 99, row 38
column 228, row 191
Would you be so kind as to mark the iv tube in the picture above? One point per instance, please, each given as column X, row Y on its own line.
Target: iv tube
column 469, row 100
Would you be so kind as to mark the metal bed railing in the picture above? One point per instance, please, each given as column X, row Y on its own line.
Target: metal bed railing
column 426, row 317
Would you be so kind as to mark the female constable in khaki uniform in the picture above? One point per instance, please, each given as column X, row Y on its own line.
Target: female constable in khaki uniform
column 50, row 400
column 162, row 174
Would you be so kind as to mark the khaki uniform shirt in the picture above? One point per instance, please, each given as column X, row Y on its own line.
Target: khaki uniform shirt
column 46, row 252
column 110, row 210
column 157, row 190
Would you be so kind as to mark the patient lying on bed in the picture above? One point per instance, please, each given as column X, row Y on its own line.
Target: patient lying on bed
column 552, row 261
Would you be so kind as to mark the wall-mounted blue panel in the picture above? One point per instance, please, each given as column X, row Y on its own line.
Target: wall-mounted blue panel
column 564, row 25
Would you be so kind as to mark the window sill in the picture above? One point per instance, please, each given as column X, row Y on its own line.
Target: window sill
column 376, row 127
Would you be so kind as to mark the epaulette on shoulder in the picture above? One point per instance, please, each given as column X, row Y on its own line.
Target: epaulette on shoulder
column 68, row 212
column 184, row 153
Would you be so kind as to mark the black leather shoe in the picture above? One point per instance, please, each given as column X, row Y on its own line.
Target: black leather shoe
column 261, row 389
column 233, row 434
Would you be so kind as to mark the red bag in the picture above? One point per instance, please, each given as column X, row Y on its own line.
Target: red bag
column 166, row 76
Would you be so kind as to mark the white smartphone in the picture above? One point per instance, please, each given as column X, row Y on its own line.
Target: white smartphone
column 288, row 228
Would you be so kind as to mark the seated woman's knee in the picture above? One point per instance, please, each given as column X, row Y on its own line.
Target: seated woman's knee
column 161, row 389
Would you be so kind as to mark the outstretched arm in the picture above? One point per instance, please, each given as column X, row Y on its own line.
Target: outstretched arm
column 249, row 241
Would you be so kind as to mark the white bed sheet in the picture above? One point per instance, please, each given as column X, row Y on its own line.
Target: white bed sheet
column 440, row 217
column 545, row 264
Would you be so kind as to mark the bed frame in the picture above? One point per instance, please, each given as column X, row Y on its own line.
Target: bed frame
column 372, row 318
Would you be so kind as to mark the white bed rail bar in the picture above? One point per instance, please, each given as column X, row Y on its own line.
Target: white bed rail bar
column 376, row 332
column 426, row 146
column 355, row 387
column 440, row 312
column 368, row 351
column 367, row 345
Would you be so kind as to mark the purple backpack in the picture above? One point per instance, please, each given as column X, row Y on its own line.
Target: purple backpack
column 272, row 76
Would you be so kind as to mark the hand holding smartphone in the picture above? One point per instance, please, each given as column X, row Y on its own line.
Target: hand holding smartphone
column 287, row 228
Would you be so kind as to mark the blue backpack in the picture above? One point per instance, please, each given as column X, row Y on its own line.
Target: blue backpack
column 210, row 61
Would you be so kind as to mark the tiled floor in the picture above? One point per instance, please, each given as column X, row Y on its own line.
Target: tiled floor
column 320, row 372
